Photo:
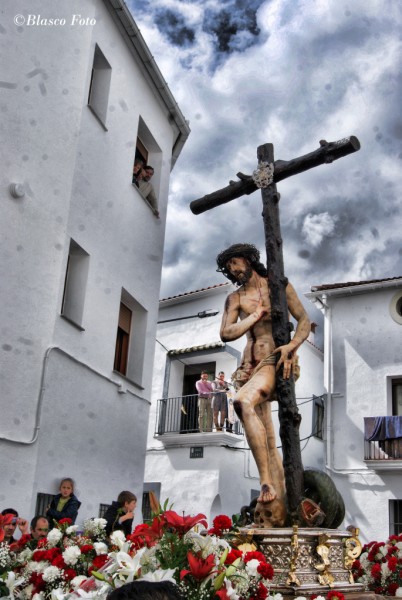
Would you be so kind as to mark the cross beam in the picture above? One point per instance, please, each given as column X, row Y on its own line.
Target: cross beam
column 326, row 153
column 289, row 417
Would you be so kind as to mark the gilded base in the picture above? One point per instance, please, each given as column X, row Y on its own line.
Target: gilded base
column 308, row 560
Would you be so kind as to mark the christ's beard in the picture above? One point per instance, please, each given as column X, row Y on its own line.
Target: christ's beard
column 244, row 276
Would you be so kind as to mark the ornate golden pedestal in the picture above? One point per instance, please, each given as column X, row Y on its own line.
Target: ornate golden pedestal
column 308, row 561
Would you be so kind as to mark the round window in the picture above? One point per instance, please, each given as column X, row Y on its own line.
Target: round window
column 395, row 307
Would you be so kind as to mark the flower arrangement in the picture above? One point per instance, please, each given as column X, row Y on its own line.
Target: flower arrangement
column 51, row 567
column 379, row 567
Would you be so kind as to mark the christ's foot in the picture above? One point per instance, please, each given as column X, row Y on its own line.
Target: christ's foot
column 267, row 493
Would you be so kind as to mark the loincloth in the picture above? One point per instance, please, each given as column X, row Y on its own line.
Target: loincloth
column 243, row 374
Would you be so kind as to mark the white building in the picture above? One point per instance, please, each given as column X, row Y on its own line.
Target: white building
column 211, row 473
column 363, row 380
column 81, row 249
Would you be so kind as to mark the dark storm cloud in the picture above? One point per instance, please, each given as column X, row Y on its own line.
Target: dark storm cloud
column 172, row 24
column 229, row 24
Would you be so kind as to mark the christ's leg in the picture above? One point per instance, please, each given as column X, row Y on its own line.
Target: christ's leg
column 249, row 397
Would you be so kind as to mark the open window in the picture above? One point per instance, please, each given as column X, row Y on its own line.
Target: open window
column 98, row 97
column 147, row 154
column 75, row 284
column 130, row 338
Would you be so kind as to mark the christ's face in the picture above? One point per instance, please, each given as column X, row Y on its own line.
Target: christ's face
column 240, row 268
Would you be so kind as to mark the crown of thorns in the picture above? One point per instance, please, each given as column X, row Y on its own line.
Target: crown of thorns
column 248, row 251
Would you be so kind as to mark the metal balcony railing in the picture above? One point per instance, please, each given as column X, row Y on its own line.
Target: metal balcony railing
column 180, row 415
column 383, row 438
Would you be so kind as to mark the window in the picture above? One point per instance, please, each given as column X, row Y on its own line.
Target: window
column 318, row 417
column 150, row 153
column 123, row 339
column 75, row 284
column 130, row 338
column 395, row 517
column 98, row 97
column 395, row 307
column 102, row 510
column 396, row 397
column 42, row 502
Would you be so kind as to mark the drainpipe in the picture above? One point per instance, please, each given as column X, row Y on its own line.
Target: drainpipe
column 328, row 379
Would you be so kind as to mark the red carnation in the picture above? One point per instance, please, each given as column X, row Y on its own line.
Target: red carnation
column 37, row 580
column 261, row 593
column 42, row 542
column 334, row 594
column 255, row 554
column 391, row 589
column 222, row 522
column 58, row 561
column 98, row 562
column 392, row 563
column 233, row 555
column 69, row 574
column 86, row 548
column 265, row 570
column 376, row 571
column 39, row 555
column 66, row 521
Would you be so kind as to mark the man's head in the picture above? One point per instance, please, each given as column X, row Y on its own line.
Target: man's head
column 146, row 590
column 127, row 501
column 149, row 171
column 204, row 375
column 239, row 261
column 11, row 527
column 221, row 375
column 39, row 527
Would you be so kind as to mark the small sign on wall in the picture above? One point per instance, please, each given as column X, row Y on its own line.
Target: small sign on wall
column 197, row 452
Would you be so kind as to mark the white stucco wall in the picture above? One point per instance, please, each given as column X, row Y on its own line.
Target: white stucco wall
column 77, row 179
column 366, row 344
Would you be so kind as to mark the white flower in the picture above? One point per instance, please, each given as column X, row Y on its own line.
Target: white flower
column 12, row 583
column 398, row 592
column 57, row 594
column 128, row 566
column 36, row 567
column 320, row 598
column 101, row 523
column 230, row 591
column 76, row 582
column 160, row 575
column 51, row 574
column 385, row 570
column 301, row 598
column 54, row 536
column 251, row 568
column 117, row 538
column 71, row 529
column 100, row 548
column 71, row 555
column 38, row 596
column 279, row 597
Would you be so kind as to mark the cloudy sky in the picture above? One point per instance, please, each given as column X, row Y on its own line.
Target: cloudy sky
column 290, row 72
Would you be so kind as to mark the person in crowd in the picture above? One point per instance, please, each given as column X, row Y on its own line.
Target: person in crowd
column 65, row 504
column 205, row 391
column 138, row 166
column 120, row 514
column 39, row 527
column 220, row 400
column 147, row 189
column 146, row 590
column 9, row 529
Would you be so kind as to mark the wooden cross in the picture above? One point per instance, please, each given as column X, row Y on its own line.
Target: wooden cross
column 289, row 417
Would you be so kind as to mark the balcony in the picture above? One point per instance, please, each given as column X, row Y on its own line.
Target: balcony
column 178, row 417
column 383, row 442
